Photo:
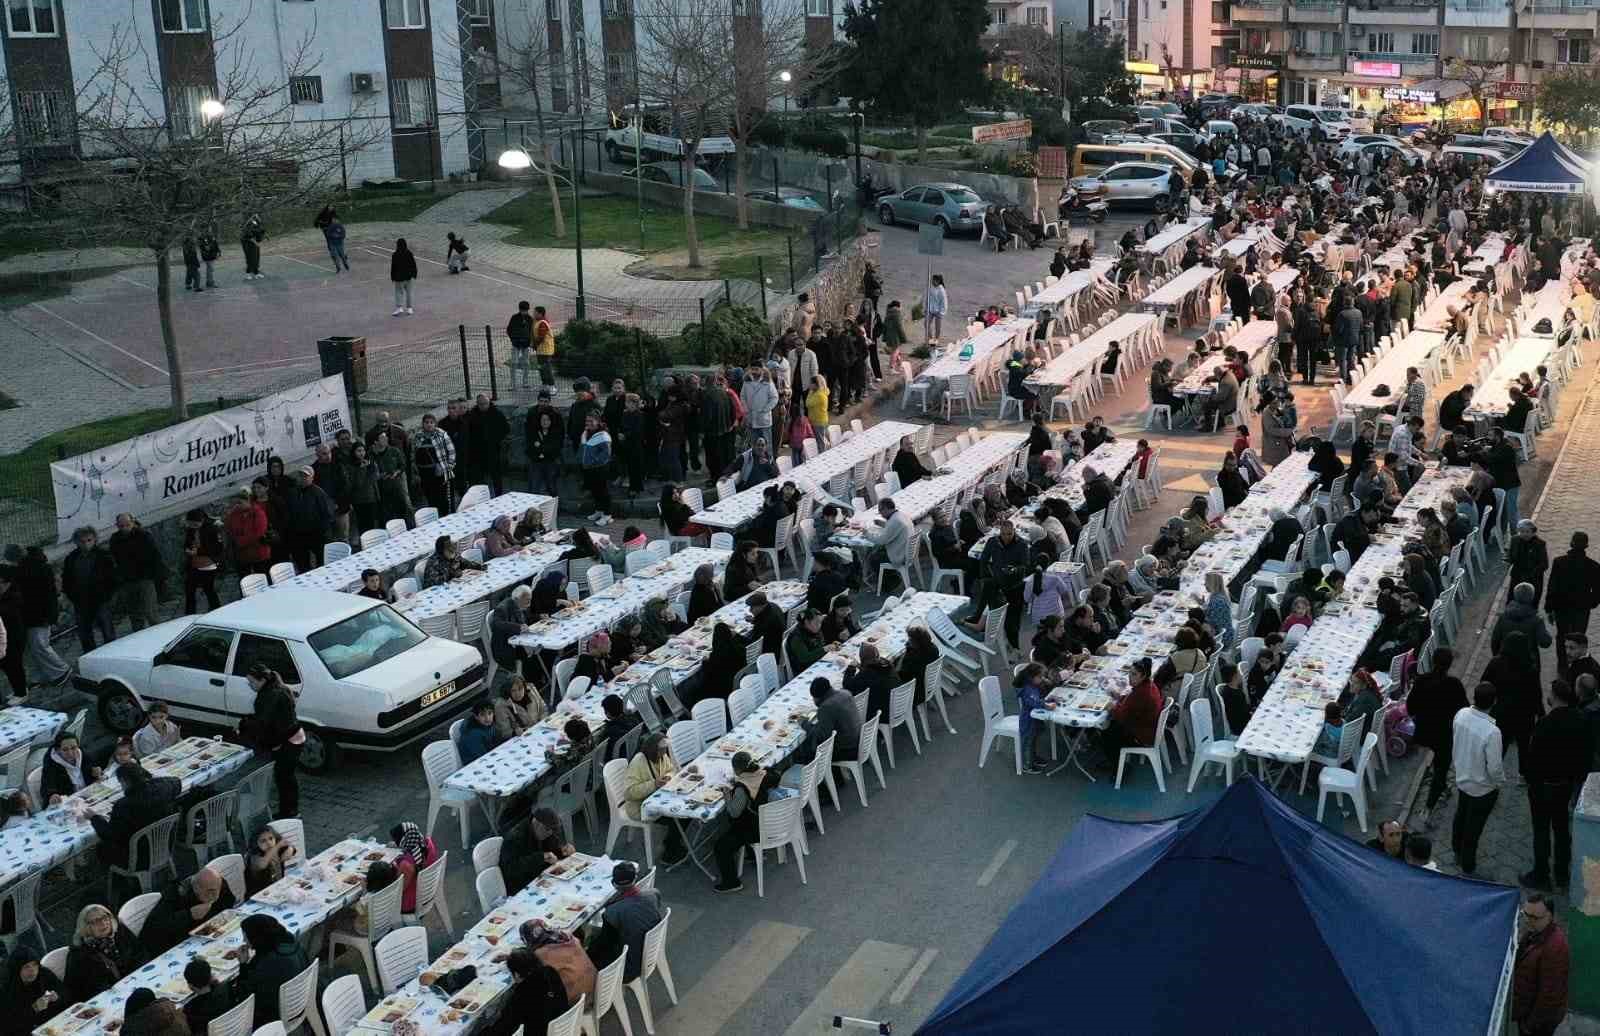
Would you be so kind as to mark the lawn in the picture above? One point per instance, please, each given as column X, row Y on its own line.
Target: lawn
column 612, row 221
column 27, row 474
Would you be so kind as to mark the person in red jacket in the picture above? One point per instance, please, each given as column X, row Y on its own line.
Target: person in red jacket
column 1134, row 718
column 246, row 522
column 417, row 852
column 1539, row 983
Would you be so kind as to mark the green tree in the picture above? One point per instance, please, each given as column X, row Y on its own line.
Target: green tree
column 1094, row 73
column 915, row 60
column 1570, row 98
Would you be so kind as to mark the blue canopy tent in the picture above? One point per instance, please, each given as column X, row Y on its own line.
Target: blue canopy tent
column 1242, row 918
column 1547, row 166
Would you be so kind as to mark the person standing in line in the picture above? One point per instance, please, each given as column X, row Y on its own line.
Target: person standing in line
column 13, row 635
column 1475, row 749
column 250, row 238
column 935, row 302
column 595, row 461
column 140, row 571
column 333, row 234
column 487, row 432
column 210, row 252
column 1559, row 757
column 191, row 265
column 1573, row 590
column 202, row 548
column 435, row 458
column 1544, row 964
column 41, row 607
column 402, row 271
column 519, row 330
column 273, row 727
column 544, row 346
column 89, row 579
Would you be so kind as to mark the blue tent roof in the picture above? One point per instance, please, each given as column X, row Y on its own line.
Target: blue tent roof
column 1546, row 165
column 1244, row 917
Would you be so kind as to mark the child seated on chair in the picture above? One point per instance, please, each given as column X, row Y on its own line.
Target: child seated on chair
column 353, row 919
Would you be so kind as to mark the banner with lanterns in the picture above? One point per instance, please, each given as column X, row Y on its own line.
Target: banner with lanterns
column 167, row 472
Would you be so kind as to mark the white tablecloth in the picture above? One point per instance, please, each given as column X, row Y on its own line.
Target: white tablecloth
column 1124, row 330
column 308, row 895
column 413, row 544
column 769, row 733
column 1172, row 293
column 1550, row 303
column 1412, row 351
column 568, row 903
column 624, row 597
column 1175, row 236
column 524, row 566
column 1285, row 725
column 1525, row 355
column 56, row 833
column 520, row 762
column 1001, row 336
column 1254, row 339
column 1436, row 317
column 21, row 725
column 1110, row 459
column 1258, row 235
column 1103, row 678
column 1246, row 524
column 812, row 476
column 1069, row 286
column 920, row 498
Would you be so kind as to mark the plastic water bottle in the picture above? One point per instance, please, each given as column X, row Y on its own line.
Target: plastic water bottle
column 966, row 351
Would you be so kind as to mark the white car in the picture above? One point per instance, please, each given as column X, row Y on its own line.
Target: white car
column 1382, row 151
column 1516, row 136
column 1130, row 183
column 1215, row 129
column 366, row 678
column 1308, row 120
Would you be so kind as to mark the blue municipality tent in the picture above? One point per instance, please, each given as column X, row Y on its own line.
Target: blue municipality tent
column 1242, row 918
column 1546, row 165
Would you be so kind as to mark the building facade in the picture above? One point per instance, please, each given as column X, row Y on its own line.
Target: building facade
column 392, row 72
column 1171, row 44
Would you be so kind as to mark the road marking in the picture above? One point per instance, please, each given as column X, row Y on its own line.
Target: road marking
column 903, row 990
column 83, row 330
column 683, row 916
column 856, row 988
column 723, row 989
column 537, row 285
column 1001, row 855
column 302, row 262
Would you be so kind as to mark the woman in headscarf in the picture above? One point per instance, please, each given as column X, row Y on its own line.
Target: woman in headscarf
column 66, row 769
column 102, row 953
column 501, row 540
column 547, row 592
column 994, row 501
column 446, row 564
column 659, row 624
column 556, row 949
column 33, row 995
column 722, row 667
column 271, row 958
column 417, row 851
column 529, row 527
column 704, row 597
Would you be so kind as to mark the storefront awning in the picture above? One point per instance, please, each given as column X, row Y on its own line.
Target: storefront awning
column 1443, row 89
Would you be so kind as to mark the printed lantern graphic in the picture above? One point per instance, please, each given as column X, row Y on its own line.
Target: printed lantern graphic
column 141, row 480
column 261, row 425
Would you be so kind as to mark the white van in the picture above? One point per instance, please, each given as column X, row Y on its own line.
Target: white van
column 1474, row 155
column 1315, row 123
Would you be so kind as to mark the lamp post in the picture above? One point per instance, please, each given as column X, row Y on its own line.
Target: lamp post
column 785, row 77
column 517, row 160
column 211, row 109
column 856, row 119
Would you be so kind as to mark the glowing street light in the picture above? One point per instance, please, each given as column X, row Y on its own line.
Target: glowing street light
column 517, row 160
column 211, row 109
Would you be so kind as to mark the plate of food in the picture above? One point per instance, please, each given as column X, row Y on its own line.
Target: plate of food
column 571, row 867
column 565, row 912
column 392, row 1010
column 706, row 796
column 224, row 924
column 475, row 997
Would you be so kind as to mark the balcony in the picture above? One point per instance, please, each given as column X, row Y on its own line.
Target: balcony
column 1410, row 64
column 1316, row 12
column 1477, row 14
column 1557, row 14
column 1394, row 12
column 1311, row 61
column 1257, row 11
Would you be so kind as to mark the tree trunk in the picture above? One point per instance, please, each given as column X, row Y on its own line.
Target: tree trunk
column 558, row 224
column 922, row 143
column 690, row 235
column 740, row 201
column 169, row 336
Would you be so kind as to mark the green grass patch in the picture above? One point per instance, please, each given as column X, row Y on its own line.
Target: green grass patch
column 27, row 474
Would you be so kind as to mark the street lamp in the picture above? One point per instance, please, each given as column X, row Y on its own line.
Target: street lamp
column 517, row 160
column 785, row 78
column 211, row 108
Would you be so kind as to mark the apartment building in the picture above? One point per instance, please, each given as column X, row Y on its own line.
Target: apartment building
column 1170, row 43
column 394, row 68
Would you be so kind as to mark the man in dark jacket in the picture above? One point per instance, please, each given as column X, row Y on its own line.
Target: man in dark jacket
column 716, row 421
column 1573, row 590
column 1544, row 964
column 89, row 579
column 487, row 432
column 16, row 633
column 510, row 617
column 767, row 624
column 836, row 717
column 398, row 439
column 185, row 905
column 1006, row 563
column 1559, row 755
column 308, row 518
column 1347, row 337
column 145, row 799
column 583, row 405
column 1354, row 531
column 330, row 475
column 140, row 571
column 1097, row 494
column 1238, row 289
column 1307, row 339
column 827, row 582
column 628, row 916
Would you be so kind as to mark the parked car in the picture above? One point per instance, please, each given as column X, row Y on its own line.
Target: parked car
column 1130, row 183
column 1219, row 129
column 1258, row 111
column 672, row 173
column 952, row 206
column 1509, row 147
column 1096, row 129
column 620, row 145
column 1159, row 110
column 1383, row 150
column 1186, row 142
column 793, row 197
column 1508, row 133
column 1314, row 123
column 366, row 677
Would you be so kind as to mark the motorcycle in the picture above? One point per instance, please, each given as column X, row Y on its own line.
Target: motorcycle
column 1072, row 202
column 867, row 194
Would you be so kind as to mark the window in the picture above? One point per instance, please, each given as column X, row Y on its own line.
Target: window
column 1475, row 48
column 183, row 16
column 614, row 80
column 203, row 647
column 405, row 14
column 619, row 8
column 740, row 8
column 31, row 17
column 558, row 96
column 1040, row 16
column 1000, row 15
column 1380, row 42
column 413, row 103
column 1573, row 50
column 270, row 652
column 1328, row 42
column 933, row 197
column 43, row 117
column 818, row 9
column 305, row 89
column 478, row 11
column 552, row 10
column 183, row 110
column 1425, row 43
column 1297, row 39
column 364, row 640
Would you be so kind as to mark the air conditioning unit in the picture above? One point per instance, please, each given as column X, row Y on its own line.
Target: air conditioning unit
column 1357, row 31
column 361, row 82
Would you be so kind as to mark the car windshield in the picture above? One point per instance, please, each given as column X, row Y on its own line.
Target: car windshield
column 362, row 641
column 960, row 195
column 1328, row 116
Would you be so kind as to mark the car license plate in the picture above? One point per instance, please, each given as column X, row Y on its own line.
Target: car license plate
column 439, row 693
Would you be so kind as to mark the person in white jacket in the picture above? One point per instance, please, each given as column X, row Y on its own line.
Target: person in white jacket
column 759, row 397
column 935, row 303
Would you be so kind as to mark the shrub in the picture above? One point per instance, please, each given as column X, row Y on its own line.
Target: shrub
column 1023, row 163
column 822, row 139
column 730, row 334
column 601, row 350
column 769, row 133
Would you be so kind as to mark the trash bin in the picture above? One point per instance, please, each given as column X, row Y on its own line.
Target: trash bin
column 333, row 352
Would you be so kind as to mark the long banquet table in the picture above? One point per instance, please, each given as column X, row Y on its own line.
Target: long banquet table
column 1126, row 330
column 1412, row 351
column 22, row 725
column 984, row 343
column 626, row 596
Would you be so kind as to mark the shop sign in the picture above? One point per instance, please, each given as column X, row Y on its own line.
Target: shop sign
column 1384, row 69
column 1518, row 91
column 1243, row 60
column 1401, row 93
column 1143, row 68
column 994, row 132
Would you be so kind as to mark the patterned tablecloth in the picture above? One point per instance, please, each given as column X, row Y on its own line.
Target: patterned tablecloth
column 413, row 544
column 985, row 342
column 995, row 451
column 1246, row 524
column 1411, row 351
column 21, row 725
column 1148, row 634
column 523, row 761
column 1125, row 330
column 1110, row 459
column 308, row 895
column 812, row 476
column 525, row 566
column 770, row 733
column 624, row 597
column 1186, row 283
column 1069, row 286
column 1525, row 355
column 568, row 902
column 58, row 833
column 1254, row 339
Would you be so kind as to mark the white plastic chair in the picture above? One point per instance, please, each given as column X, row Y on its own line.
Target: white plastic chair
column 806, row 779
column 474, row 496
column 395, row 526
column 425, row 516
column 866, row 751
column 271, row 1029
column 722, row 541
column 23, row 898
column 430, row 896
column 900, row 715
column 571, row 1022
column 372, row 537
column 383, row 917
column 491, row 888
column 231, row 867
column 402, row 954
column 137, row 910
column 1336, row 781
column 439, row 760
column 486, row 854
column 281, row 571
column 780, row 829
column 343, row 1004
column 157, row 837
column 653, row 961
column 683, row 737
column 743, row 699
column 1349, row 741
column 711, row 716
column 297, row 1001
column 608, row 997
column 252, row 584
column 237, row 1021
column 1207, row 749
column 1156, row 753
column 613, row 776
column 996, row 723
column 338, row 550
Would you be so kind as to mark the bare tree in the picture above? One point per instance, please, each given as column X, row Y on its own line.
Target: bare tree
column 1477, row 76
column 1033, row 52
column 536, row 59
column 218, row 144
